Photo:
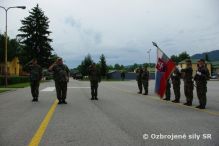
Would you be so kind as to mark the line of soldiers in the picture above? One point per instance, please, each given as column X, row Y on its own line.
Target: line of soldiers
column 200, row 78
column 142, row 79
column 61, row 75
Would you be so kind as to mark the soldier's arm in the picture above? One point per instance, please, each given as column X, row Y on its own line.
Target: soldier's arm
column 51, row 68
column 67, row 70
column 28, row 66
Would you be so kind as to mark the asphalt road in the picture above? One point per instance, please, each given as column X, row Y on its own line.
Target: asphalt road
column 120, row 118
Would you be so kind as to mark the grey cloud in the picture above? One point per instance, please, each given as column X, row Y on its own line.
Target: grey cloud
column 89, row 35
column 72, row 22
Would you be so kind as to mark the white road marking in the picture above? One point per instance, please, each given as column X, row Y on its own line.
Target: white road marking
column 78, row 87
column 48, row 89
column 51, row 89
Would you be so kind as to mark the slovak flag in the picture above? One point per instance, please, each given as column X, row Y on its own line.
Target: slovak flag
column 164, row 68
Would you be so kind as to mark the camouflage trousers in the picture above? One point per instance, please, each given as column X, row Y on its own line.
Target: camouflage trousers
column 61, row 90
column 140, row 86
column 94, row 87
column 34, row 85
column 145, row 85
column 168, row 92
column 201, row 89
column 188, row 90
column 176, row 89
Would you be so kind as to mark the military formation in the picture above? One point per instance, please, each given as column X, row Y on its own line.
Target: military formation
column 61, row 75
column 198, row 81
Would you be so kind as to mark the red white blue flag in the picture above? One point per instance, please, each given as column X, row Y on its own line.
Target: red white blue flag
column 164, row 68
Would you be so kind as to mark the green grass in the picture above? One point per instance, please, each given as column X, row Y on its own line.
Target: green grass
column 19, row 85
column 3, row 90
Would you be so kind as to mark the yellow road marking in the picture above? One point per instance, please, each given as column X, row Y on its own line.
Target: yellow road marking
column 156, row 98
column 41, row 130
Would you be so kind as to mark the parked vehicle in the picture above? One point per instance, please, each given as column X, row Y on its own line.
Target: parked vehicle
column 77, row 76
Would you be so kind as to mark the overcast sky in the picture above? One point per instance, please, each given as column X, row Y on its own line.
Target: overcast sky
column 122, row 29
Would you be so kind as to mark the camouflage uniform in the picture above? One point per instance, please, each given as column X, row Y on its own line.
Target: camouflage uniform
column 123, row 75
column 175, row 77
column 61, row 77
column 201, row 78
column 188, row 84
column 35, row 77
column 95, row 78
column 139, row 81
column 144, row 79
column 168, row 92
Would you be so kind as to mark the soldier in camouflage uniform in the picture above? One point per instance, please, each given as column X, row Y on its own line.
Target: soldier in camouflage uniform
column 95, row 78
column 188, row 82
column 201, row 77
column 145, row 78
column 168, row 92
column 175, row 77
column 138, row 79
column 35, row 71
column 61, row 77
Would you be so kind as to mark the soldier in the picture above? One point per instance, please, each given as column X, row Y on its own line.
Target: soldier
column 35, row 77
column 61, row 77
column 145, row 78
column 168, row 92
column 175, row 77
column 138, row 79
column 95, row 78
column 188, row 82
column 123, row 75
column 201, row 77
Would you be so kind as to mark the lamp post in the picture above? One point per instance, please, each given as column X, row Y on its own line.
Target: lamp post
column 149, row 55
column 6, row 40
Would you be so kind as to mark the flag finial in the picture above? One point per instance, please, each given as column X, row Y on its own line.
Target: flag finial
column 155, row 44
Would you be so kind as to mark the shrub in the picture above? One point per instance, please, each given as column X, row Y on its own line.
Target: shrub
column 14, row 79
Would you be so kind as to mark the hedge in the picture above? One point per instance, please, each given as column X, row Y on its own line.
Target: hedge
column 14, row 79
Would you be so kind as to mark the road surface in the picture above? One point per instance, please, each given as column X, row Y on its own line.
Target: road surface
column 120, row 118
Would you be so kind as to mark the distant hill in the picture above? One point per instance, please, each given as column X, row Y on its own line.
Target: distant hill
column 212, row 56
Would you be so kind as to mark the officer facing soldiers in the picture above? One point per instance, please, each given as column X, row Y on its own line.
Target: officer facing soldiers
column 201, row 77
column 138, row 79
column 145, row 78
column 188, row 82
column 95, row 78
column 35, row 71
column 175, row 77
column 61, row 77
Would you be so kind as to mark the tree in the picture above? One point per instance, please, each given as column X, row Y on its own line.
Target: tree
column 83, row 67
column 34, row 37
column 103, row 66
column 13, row 48
column 206, row 57
column 175, row 58
column 117, row 66
column 182, row 56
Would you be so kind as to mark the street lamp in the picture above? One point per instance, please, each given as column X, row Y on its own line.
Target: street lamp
column 6, row 45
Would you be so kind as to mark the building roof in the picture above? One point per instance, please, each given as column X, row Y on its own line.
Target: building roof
column 194, row 61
